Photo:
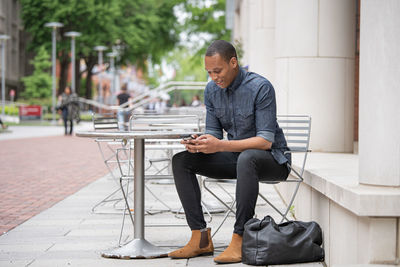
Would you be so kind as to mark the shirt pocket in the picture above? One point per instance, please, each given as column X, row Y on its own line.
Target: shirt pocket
column 245, row 119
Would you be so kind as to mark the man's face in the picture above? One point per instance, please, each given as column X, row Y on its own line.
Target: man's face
column 220, row 71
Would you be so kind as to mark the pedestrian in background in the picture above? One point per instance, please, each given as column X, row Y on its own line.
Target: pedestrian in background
column 12, row 95
column 122, row 114
column 196, row 101
column 69, row 107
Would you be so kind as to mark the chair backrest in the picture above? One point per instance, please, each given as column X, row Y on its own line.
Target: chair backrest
column 164, row 122
column 104, row 122
column 198, row 111
column 297, row 129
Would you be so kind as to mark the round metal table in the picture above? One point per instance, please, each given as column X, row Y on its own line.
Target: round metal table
column 139, row 247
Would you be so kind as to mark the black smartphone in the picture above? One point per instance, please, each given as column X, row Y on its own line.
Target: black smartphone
column 187, row 137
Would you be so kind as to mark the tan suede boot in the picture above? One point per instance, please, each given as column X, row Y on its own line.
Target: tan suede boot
column 200, row 244
column 233, row 253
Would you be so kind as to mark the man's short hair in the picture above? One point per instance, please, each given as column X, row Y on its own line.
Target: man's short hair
column 223, row 48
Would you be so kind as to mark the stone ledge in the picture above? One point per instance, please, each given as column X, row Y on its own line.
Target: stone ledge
column 335, row 175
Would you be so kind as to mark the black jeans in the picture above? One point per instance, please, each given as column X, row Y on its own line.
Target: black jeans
column 65, row 119
column 248, row 167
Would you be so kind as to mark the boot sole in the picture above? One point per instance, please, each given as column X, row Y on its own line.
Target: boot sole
column 224, row 262
column 199, row 255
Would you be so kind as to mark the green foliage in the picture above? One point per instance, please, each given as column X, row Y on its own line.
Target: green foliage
column 83, row 116
column 10, row 110
column 49, row 116
column 38, row 85
column 239, row 50
column 292, row 211
column 141, row 28
column 188, row 66
column 148, row 29
column 205, row 22
column 209, row 20
column 82, row 88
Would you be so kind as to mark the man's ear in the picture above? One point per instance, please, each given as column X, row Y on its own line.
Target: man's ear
column 233, row 62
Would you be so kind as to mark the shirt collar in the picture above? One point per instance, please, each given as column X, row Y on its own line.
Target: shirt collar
column 237, row 81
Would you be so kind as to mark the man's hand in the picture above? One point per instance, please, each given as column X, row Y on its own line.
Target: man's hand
column 204, row 143
column 210, row 144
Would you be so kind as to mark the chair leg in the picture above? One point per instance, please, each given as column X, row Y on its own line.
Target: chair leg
column 207, row 211
column 272, row 206
column 107, row 162
column 229, row 208
column 219, row 199
column 285, row 213
column 126, row 201
column 225, row 217
column 123, row 220
column 292, row 200
column 158, row 199
column 107, row 199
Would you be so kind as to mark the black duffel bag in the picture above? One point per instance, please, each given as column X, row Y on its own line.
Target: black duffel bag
column 265, row 242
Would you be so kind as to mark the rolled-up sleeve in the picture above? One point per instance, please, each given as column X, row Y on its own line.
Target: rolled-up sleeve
column 265, row 113
column 213, row 126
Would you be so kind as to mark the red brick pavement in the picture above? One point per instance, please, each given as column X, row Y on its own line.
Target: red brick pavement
column 36, row 173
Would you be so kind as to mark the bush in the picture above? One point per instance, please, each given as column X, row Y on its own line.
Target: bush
column 10, row 110
column 38, row 85
column 84, row 116
column 49, row 116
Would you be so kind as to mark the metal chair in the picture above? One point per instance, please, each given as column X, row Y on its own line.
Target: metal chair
column 189, row 123
column 296, row 129
column 108, row 150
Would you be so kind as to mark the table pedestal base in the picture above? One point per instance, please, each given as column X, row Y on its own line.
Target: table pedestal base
column 136, row 249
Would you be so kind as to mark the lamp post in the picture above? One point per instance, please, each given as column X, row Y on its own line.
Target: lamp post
column 54, row 26
column 112, row 56
column 3, row 39
column 100, row 49
column 73, row 35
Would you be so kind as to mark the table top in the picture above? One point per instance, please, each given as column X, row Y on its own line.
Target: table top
column 136, row 134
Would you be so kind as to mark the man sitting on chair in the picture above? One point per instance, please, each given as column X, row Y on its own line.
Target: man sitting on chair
column 243, row 104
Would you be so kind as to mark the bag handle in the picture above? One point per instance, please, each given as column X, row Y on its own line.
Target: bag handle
column 268, row 219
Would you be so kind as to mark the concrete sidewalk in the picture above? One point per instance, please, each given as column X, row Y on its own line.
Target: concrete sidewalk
column 70, row 234
column 18, row 132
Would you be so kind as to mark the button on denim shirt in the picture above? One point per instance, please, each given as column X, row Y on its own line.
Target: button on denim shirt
column 246, row 108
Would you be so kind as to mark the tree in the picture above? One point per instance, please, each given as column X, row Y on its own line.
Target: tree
column 38, row 85
column 187, row 67
column 206, row 22
column 141, row 29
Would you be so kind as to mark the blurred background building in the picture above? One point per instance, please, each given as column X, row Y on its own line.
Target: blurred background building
column 17, row 55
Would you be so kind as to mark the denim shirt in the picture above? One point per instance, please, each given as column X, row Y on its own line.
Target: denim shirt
column 246, row 108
